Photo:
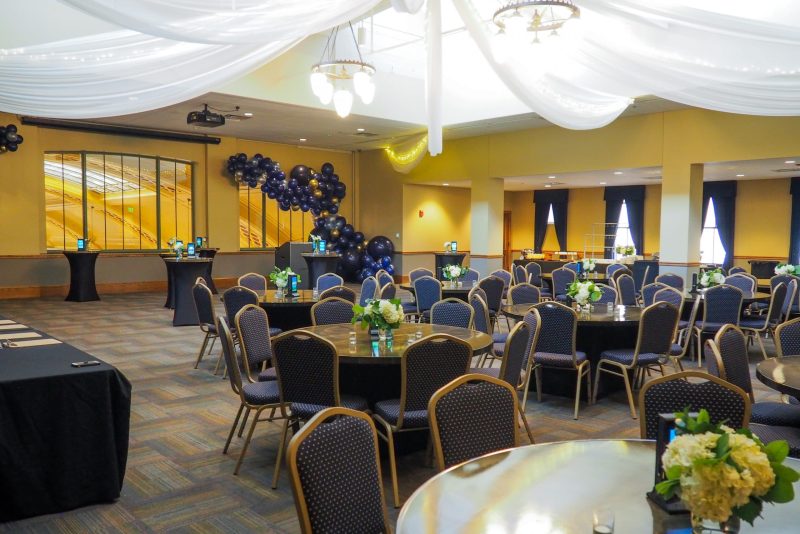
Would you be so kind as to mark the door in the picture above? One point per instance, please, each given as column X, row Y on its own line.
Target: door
column 507, row 254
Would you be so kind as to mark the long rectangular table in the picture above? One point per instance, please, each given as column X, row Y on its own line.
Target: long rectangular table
column 63, row 431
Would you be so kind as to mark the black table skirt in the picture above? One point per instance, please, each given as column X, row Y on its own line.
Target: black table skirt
column 184, row 275
column 319, row 264
column 82, row 286
column 63, row 431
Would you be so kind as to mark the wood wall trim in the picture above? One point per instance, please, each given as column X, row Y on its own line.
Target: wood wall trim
column 421, row 252
column 487, row 256
column 111, row 288
column 60, row 255
column 679, row 264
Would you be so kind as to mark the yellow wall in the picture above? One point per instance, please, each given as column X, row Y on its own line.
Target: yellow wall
column 446, row 217
column 215, row 196
column 763, row 217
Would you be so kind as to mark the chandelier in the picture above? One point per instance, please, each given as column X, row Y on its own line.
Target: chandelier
column 332, row 77
column 539, row 18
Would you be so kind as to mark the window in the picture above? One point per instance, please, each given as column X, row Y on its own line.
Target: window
column 623, row 237
column 116, row 201
column 550, row 217
column 263, row 224
column 711, row 250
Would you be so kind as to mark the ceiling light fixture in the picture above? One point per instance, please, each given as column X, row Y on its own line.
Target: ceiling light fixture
column 445, row 184
column 329, row 77
column 602, row 183
column 551, row 177
column 618, row 173
column 790, row 162
column 302, row 139
column 740, row 175
column 359, row 130
column 517, row 21
column 548, row 185
column 247, row 114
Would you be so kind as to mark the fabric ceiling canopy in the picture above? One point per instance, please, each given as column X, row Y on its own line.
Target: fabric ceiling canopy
column 717, row 54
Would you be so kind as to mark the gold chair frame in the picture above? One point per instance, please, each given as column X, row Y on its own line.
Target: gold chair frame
column 326, row 300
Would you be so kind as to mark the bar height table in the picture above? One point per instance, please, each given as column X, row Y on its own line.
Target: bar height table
column 319, row 264
column 82, row 286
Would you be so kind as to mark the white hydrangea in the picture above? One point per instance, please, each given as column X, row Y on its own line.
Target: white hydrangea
column 719, row 278
column 784, row 268
column 391, row 313
column 588, row 265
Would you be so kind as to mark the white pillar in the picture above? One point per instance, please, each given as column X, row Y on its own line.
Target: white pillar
column 486, row 240
column 681, row 209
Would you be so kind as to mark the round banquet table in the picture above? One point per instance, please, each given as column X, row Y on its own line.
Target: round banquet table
column 372, row 369
column 448, row 292
column 556, row 487
column 747, row 297
column 82, row 286
column 781, row 374
column 597, row 331
column 288, row 313
column 600, row 278
column 319, row 264
column 182, row 275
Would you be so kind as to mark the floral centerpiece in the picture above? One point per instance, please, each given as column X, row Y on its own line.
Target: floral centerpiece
column 280, row 277
column 379, row 315
column 176, row 246
column 711, row 278
column 583, row 293
column 625, row 250
column 723, row 475
column 785, row 268
column 587, row 266
column 315, row 239
column 453, row 272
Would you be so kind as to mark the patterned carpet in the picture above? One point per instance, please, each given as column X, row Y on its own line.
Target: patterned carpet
column 177, row 479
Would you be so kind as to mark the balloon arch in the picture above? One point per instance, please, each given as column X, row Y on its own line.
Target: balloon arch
column 321, row 193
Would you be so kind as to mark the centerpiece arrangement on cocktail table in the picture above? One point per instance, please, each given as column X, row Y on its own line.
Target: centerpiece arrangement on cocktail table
column 785, row 268
column 711, row 278
column 176, row 246
column 453, row 272
column 380, row 316
column 583, row 293
column 280, row 277
column 587, row 266
column 625, row 250
column 722, row 475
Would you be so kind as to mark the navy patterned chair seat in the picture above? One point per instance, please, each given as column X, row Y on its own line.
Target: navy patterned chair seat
column 775, row 414
column 625, row 356
column 708, row 326
column 754, row 322
column 768, row 434
column 305, row 410
column 267, row 374
column 500, row 337
column 273, row 331
column 409, row 307
column 552, row 359
column 676, row 349
column 262, row 392
column 389, row 410
column 683, row 324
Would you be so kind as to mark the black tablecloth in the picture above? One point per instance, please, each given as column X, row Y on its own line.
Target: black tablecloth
column 63, row 431
column 82, row 286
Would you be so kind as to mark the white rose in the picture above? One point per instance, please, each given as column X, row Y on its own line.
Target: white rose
column 719, row 278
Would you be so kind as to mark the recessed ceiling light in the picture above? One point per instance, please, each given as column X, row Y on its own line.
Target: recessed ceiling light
column 548, row 185
column 248, row 114
column 445, row 184
column 302, row 139
column 551, row 177
column 617, row 173
column 790, row 162
column 359, row 129
column 740, row 175
column 602, row 183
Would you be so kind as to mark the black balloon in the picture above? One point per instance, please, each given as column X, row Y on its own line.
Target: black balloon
column 380, row 246
column 327, row 168
column 9, row 139
column 350, row 261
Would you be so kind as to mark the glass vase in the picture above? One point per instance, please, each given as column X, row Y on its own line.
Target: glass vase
column 702, row 526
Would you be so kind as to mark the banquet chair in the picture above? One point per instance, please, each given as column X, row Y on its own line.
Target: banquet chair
column 342, row 292
column 722, row 305
column 727, row 358
column 520, row 274
column 743, row 282
column 791, row 292
column 254, row 336
column 471, row 416
column 674, row 393
column 524, row 293
column 736, row 270
column 607, row 294
column 452, row 312
column 787, row 338
column 517, row 362
column 418, row 273
column 787, row 279
column 562, row 278
column 483, row 323
column 612, row 278
column 234, row 299
column 256, row 397
column 657, row 326
column 331, row 310
column 203, row 303
column 572, row 266
column 428, row 291
column 493, row 289
column 328, row 280
column 505, row 276
column 612, row 268
column 425, row 366
column 645, row 279
column 534, row 273
column 671, row 295
column 335, row 470
column 756, row 325
column 683, row 344
column 253, row 281
column 308, row 381
column 369, row 290
column 555, row 348
column 626, row 290
column 649, row 292
column 388, row 291
column 383, row 278
column 671, row 280
column 471, row 276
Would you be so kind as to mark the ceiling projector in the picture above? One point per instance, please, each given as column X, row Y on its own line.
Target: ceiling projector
column 205, row 118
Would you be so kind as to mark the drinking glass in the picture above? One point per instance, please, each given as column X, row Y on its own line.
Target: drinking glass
column 352, row 338
column 603, row 521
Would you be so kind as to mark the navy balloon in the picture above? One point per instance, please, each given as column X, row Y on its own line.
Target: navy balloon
column 380, row 246
column 389, row 269
column 386, row 261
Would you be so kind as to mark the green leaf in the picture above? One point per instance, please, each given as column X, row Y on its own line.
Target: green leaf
column 777, row 451
column 784, row 472
column 750, row 511
column 722, row 446
column 667, row 488
column 674, row 472
column 781, row 492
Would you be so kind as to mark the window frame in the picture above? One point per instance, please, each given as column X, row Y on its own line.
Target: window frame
column 122, row 155
column 628, row 237
column 279, row 213
column 715, row 238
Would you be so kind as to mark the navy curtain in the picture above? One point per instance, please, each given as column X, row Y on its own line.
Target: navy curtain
column 794, row 234
column 723, row 194
column 543, row 200
column 633, row 196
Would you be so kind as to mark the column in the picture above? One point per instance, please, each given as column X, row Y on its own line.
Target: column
column 681, row 209
column 486, row 242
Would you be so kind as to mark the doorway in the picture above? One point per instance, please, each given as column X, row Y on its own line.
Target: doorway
column 507, row 253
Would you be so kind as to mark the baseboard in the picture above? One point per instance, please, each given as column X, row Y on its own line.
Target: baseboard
column 110, row 288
